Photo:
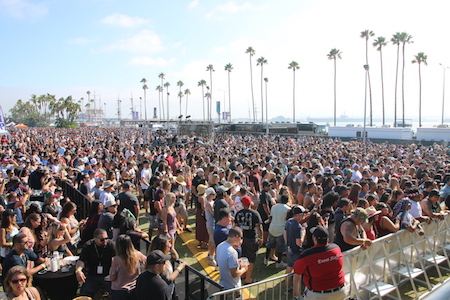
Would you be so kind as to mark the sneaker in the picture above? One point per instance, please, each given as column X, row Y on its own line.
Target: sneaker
column 212, row 262
column 266, row 261
column 280, row 265
column 187, row 230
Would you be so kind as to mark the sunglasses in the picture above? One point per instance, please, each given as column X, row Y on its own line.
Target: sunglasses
column 16, row 281
column 61, row 229
column 103, row 239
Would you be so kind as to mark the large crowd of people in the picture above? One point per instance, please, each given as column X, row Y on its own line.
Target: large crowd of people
column 300, row 198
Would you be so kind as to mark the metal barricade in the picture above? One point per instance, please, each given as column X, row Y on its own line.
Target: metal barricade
column 272, row 288
column 83, row 204
column 199, row 286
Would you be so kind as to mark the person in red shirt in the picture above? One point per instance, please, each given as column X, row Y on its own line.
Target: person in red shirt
column 322, row 268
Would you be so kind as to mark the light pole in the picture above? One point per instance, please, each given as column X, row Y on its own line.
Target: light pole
column 443, row 93
column 267, row 109
column 366, row 67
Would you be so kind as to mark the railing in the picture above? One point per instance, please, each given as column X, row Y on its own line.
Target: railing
column 199, row 286
column 82, row 202
column 272, row 288
column 383, row 270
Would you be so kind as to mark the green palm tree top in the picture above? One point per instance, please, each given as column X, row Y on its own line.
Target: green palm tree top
column 180, row 83
column 250, row 51
column 88, row 92
column 187, row 92
column 145, row 87
column 202, row 82
column 159, row 88
column 396, row 38
column 144, row 81
column 293, row 65
column 366, row 34
column 208, row 95
column 180, row 94
column 261, row 61
column 162, row 75
column 420, row 58
column 334, row 54
column 379, row 42
column 405, row 38
column 228, row 67
column 210, row 68
column 166, row 84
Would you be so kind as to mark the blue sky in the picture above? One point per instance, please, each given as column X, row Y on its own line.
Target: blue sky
column 68, row 47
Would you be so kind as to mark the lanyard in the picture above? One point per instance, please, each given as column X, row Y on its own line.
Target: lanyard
column 99, row 256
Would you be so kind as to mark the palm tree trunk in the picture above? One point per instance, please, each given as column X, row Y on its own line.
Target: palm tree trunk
column 159, row 103
column 293, row 98
column 203, row 98
column 187, row 96
column 335, row 102
column 403, row 86
column 229, row 97
column 251, row 85
column 420, row 98
column 210, row 93
column 396, row 84
column 382, row 84
column 145, row 104
column 262, row 96
column 167, row 90
column 368, row 77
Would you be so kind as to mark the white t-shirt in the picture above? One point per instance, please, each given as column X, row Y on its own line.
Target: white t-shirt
column 146, row 174
column 416, row 209
column 278, row 213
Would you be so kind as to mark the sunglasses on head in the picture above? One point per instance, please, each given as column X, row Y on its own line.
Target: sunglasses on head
column 16, row 281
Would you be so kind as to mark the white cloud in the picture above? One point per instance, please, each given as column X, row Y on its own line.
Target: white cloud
column 79, row 41
column 148, row 61
column 23, row 9
column 193, row 4
column 145, row 41
column 123, row 20
column 230, row 7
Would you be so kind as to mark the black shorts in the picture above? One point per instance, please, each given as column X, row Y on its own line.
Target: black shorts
column 250, row 249
column 265, row 226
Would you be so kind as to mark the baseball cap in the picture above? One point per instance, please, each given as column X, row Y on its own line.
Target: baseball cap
column 433, row 193
column 200, row 170
column 156, row 257
column 361, row 214
column 265, row 183
column 127, row 185
column 210, row 191
column 221, row 189
column 298, row 209
column 246, row 201
column 109, row 203
column 319, row 232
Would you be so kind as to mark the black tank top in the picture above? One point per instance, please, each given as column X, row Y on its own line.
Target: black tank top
column 339, row 239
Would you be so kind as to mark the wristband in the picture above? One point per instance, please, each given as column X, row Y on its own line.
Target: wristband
column 43, row 266
column 178, row 269
column 77, row 270
column 363, row 243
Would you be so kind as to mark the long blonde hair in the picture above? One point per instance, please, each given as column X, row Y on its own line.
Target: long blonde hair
column 126, row 251
column 168, row 200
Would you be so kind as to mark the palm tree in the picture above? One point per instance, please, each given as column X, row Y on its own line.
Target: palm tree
column 180, row 93
column 405, row 38
column 187, row 92
column 251, row 52
column 89, row 101
column 380, row 42
column 208, row 100
column 419, row 59
column 145, row 87
column 260, row 62
column 365, row 35
column 334, row 55
column 229, row 68
column 202, row 83
column 396, row 41
column 294, row 66
column 162, row 76
column 166, row 85
column 210, row 68
column 160, row 89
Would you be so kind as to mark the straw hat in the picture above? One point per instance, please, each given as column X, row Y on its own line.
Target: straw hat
column 228, row 185
column 371, row 211
column 180, row 180
column 201, row 188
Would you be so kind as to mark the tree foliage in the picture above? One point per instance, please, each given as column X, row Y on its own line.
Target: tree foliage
column 39, row 111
